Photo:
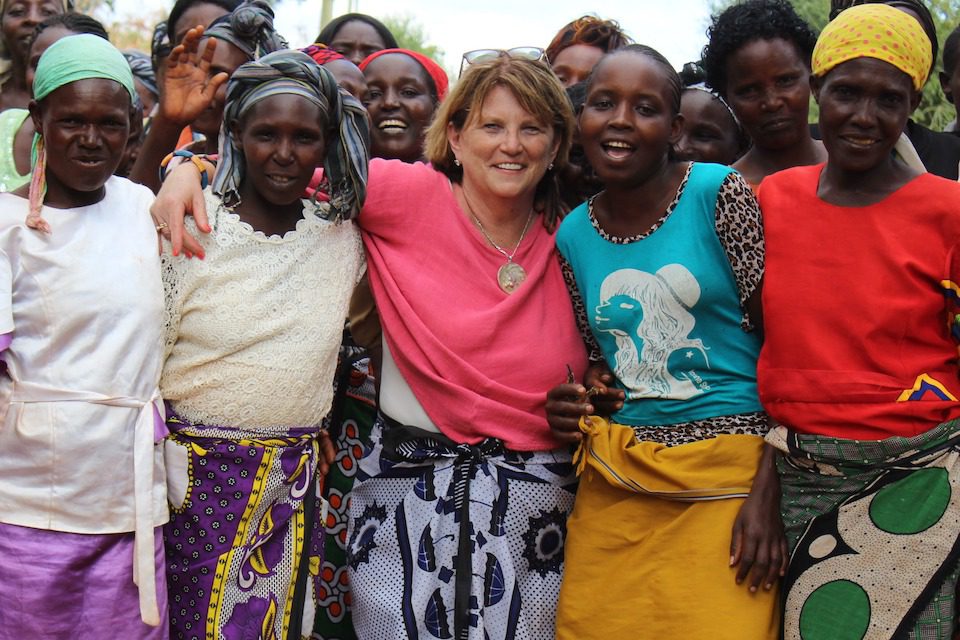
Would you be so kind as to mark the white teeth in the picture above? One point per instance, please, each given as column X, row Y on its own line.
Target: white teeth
column 386, row 124
column 512, row 166
column 618, row 145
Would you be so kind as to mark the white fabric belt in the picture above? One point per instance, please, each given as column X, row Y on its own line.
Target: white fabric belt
column 144, row 566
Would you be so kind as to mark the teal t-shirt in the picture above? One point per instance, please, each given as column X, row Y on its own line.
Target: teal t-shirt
column 666, row 312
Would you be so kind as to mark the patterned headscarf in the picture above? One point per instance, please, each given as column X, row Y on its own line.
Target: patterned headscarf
column 159, row 45
column 5, row 62
column 294, row 72
column 142, row 70
column 250, row 29
column 875, row 31
column 321, row 53
column 435, row 71
column 78, row 57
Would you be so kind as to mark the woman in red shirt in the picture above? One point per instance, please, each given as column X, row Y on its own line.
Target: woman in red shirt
column 859, row 364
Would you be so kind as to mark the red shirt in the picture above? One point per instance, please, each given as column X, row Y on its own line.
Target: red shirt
column 860, row 308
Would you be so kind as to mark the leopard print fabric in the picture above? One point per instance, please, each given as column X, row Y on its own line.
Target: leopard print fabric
column 739, row 227
column 675, row 434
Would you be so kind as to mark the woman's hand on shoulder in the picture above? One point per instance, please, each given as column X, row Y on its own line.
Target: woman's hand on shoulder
column 179, row 196
column 188, row 88
column 758, row 547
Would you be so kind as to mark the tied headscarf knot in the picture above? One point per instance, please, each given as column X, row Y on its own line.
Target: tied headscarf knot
column 875, row 31
column 347, row 145
column 249, row 28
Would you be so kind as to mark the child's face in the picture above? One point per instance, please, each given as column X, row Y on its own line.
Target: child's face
column 85, row 125
column 709, row 132
column 283, row 141
column 627, row 124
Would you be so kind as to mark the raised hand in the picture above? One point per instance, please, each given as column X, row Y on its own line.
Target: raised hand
column 188, row 88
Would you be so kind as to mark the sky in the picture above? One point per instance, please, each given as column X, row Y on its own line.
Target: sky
column 675, row 28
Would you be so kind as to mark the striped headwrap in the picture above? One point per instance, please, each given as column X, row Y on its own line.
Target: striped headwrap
column 249, row 28
column 142, row 70
column 70, row 59
column 294, row 72
column 321, row 53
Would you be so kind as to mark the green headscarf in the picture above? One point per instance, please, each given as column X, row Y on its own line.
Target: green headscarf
column 78, row 57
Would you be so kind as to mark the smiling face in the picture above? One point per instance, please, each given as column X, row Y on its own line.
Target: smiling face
column 226, row 58
column 709, row 133
column 400, row 101
column 85, row 125
column 19, row 19
column 864, row 106
column 283, row 141
column 355, row 40
column 627, row 124
column 575, row 63
column 504, row 150
column 768, row 88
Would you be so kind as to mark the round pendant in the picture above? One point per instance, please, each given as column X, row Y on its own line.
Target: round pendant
column 509, row 277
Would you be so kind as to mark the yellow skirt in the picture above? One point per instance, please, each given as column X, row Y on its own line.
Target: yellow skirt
column 648, row 544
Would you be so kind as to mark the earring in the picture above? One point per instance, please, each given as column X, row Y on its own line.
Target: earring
column 550, row 167
column 456, row 161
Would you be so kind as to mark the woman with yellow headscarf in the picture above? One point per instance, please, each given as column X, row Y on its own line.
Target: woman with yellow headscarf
column 859, row 363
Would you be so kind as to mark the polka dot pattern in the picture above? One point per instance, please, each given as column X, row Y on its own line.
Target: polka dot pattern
column 875, row 31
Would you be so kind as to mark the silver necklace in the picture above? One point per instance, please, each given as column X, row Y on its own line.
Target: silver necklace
column 511, row 275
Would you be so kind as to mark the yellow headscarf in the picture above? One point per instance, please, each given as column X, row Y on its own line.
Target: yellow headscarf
column 875, row 31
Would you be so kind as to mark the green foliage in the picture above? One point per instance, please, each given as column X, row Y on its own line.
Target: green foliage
column 411, row 35
column 934, row 111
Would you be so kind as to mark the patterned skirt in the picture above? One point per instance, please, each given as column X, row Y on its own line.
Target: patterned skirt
column 457, row 541
column 244, row 532
column 350, row 422
column 874, row 532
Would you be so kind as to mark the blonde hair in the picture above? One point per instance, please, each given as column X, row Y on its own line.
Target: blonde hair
column 537, row 90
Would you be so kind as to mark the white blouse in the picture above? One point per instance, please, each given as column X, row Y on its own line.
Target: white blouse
column 253, row 330
column 85, row 306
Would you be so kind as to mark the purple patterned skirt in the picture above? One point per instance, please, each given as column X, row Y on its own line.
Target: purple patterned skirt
column 244, row 542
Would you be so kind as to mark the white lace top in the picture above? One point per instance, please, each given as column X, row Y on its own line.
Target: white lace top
column 253, row 330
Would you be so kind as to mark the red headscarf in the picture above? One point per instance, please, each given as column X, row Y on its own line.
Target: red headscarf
column 435, row 71
column 321, row 53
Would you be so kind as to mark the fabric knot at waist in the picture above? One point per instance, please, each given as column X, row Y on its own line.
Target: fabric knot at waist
column 144, row 567
column 403, row 443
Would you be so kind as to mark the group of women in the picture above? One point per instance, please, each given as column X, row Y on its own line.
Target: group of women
column 614, row 365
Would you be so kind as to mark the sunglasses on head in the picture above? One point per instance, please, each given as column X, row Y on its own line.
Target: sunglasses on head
column 484, row 55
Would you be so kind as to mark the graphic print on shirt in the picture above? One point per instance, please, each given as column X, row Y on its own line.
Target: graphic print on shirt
column 648, row 314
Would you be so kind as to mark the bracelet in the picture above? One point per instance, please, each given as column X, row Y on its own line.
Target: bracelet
column 192, row 157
